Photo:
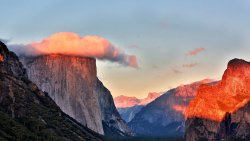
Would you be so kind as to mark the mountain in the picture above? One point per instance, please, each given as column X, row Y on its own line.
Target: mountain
column 126, row 101
column 71, row 81
column 27, row 113
column 128, row 107
column 165, row 115
column 222, row 111
column 129, row 113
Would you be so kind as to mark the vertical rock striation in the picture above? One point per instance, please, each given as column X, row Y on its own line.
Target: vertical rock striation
column 72, row 82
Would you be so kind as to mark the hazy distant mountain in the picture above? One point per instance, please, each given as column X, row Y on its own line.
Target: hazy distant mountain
column 126, row 101
column 222, row 111
column 165, row 115
column 27, row 113
column 72, row 83
column 129, row 113
column 129, row 106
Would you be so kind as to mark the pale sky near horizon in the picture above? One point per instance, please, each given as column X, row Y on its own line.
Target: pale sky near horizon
column 161, row 33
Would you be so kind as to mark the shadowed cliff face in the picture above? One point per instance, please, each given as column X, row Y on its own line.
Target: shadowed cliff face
column 27, row 113
column 72, row 83
column 165, row 115
column 221, row 111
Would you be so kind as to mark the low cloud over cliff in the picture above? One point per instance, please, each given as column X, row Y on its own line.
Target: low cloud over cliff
column 72, row 44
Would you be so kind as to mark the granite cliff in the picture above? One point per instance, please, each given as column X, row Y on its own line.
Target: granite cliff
column 222, row 111
column 71, row 81
column 27, row 113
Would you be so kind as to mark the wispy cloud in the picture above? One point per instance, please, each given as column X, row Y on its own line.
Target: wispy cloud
column 195, row 51
column 176, row 71
column 191, row 65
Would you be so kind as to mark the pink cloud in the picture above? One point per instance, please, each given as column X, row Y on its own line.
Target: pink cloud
column 195, row 51
column 189, row 65
column 88, row 46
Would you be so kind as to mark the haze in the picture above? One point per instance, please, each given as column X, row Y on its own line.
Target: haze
column 175, row 42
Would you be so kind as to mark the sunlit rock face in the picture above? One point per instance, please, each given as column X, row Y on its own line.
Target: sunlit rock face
column 72, row 83
column 221, row 111
column 165, row 115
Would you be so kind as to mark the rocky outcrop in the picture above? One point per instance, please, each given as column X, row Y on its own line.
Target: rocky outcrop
column 126, row 101
column 222, row 111
column 27, row 113
column 72, row 83
column 165, row 115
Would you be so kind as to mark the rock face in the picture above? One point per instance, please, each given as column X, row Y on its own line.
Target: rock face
column 222, row 111
column 27, row 113
column 165, row 115
column 126, row 101
column 72, row 83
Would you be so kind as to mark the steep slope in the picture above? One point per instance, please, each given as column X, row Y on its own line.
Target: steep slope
column 222, row 111
column 27, row 113
column 165, row 115
column 72, row 83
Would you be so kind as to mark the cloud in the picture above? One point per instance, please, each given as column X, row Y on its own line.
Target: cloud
column 69, row 43
column 195, row 51
column 176, row 71
column 189, row 65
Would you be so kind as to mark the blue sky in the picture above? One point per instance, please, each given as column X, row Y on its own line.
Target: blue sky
column 159, row 32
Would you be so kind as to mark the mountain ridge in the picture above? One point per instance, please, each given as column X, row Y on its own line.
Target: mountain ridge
column 165, row 115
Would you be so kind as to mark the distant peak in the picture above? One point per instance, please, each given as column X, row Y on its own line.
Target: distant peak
column 153, row 94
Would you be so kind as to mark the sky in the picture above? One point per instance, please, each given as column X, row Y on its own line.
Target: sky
column 175, row 42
